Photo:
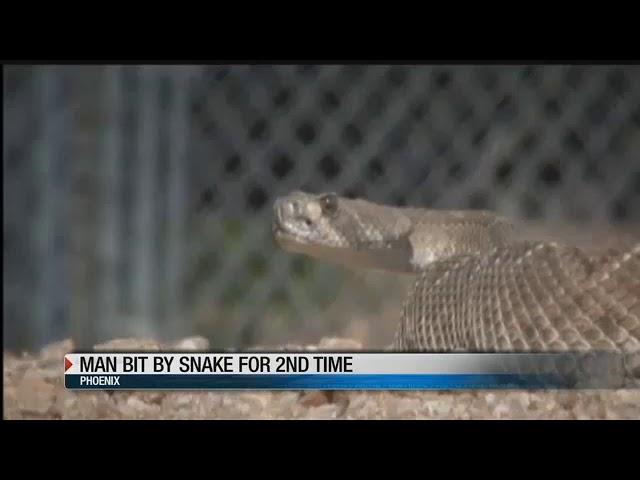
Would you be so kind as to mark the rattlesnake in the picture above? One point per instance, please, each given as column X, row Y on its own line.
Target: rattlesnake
column 479, row 287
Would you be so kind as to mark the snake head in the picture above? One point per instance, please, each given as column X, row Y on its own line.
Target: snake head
column 352, row 233
column 306, row 219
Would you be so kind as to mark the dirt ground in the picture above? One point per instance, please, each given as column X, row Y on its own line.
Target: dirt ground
column 34, row 389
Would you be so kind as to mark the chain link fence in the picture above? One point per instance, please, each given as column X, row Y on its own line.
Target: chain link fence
column 138, row 199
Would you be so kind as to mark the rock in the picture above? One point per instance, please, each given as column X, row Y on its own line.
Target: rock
column 54, row 374
column 105, row 410
column 184, row 400
column 287, row 399
column 152, row 397
column 35, row 396
column 324, row 412
column 192, row 344
column 136, row 404
column 406, row 407
column 128, row 345
column 316, row 398
column 442, row 409
column 56, row 351
column 258, row 401
column 331, row 343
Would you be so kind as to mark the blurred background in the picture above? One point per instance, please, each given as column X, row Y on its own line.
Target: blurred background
column 137, row 199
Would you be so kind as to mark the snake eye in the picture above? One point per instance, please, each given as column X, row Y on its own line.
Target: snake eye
column 329, row 203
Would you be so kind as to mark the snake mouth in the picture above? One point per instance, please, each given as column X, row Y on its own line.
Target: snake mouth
column 285, row 234
column 285, row 237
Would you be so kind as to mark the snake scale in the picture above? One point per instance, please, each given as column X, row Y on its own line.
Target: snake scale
column 479, row 286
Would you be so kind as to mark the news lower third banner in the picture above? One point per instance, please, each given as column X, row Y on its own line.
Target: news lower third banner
column 340, row 371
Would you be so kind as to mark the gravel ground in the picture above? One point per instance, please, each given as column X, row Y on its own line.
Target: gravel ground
column 33, row 389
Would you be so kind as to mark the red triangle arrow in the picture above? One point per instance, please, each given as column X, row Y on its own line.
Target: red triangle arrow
column 67, row 364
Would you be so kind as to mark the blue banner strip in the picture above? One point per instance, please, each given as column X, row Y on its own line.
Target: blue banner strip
column 316, row 382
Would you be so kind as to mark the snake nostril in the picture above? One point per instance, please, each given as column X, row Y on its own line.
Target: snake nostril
column 291, row 207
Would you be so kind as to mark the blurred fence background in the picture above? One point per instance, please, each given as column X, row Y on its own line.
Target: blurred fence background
column 137, row 200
